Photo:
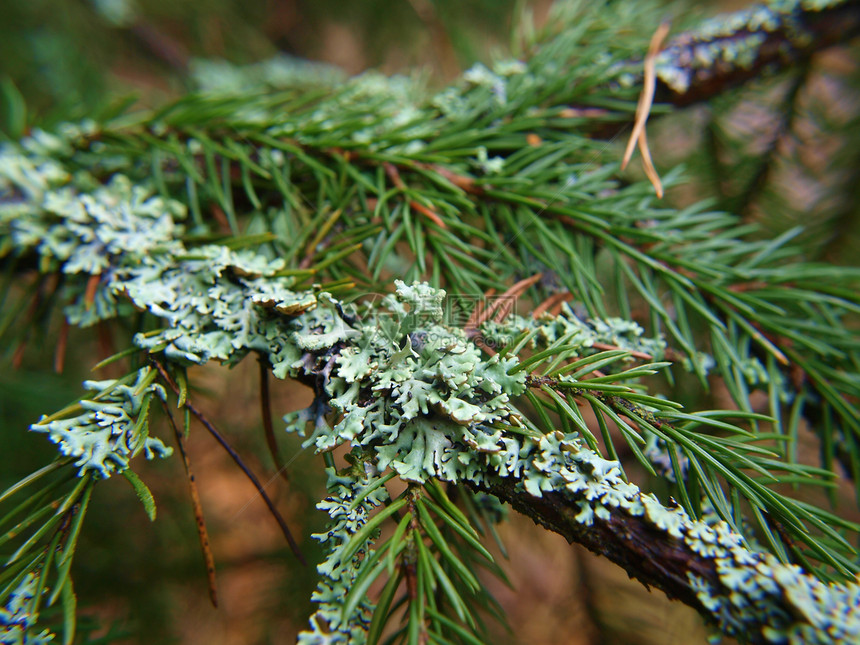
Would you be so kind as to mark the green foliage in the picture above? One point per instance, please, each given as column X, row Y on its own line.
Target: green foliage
column 272, row 215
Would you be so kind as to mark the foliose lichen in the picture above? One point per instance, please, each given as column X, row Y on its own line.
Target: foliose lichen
column 112, row 428
column 413, row 401
column 329, row 625
column 397, row 403
column 17, row 619
column 615, row 332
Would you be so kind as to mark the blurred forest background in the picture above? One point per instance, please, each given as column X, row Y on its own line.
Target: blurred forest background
column 783, row 152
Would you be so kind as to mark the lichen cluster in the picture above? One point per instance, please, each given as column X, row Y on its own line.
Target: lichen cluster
column 111, row 428
column 349, row 505
column 421, row 433
column 17, row 619
column 79, row 226
column 410, row 388
column 216, row 304
column 409, row 394
column 752, row 592
column 585, row 332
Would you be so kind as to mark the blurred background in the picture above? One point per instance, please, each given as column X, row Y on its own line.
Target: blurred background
column 784, row 152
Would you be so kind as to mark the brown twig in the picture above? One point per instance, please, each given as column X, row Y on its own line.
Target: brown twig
column 409, row 561
column 462, row 182
column 266, row 414
column 30, row 316
column 18, row 356
column 484, row 346
column 90, row 293
column 220, row 217
column 572, row 112
column 475, row 318
column 294, row 547
column 444, row 53
column 107, row 347
column 796, row 37
column 633, row 352
column 515, row 291
column 200, row 522
column 162, row 46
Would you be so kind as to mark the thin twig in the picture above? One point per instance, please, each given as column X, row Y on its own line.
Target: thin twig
column 633, row 352
column 503, row 306
column 294, row 547
column 462, row 182
column 90, row 292
column 783, row 129
column 162, row 46
column 475, row 318
column 30, row 316
column 202, row 532
column 444, row 50
column 18, row 356
column 221, row 218
column 107, row 348
column 479, row 341
column 266, row 414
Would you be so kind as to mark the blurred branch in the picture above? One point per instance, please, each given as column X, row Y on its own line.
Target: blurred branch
column 160, row 45
column 734, row 48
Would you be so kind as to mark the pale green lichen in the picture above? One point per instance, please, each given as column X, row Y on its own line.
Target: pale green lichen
column 585, row 333
column 419, row 432
column 755, row 593
column 96, row 233
column 217, row 304
column 413, row 401
column 16, row 618
column 112, row 428
column 220, row 77
column 329, row 625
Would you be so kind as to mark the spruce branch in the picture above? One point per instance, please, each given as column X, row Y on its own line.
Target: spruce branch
column 274, row 224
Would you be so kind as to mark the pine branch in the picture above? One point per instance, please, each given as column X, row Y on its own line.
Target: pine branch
column 300, row 201
column 329, row 350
